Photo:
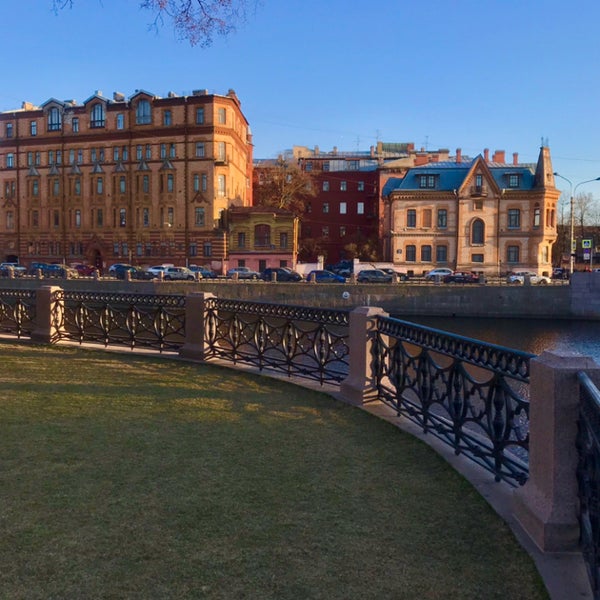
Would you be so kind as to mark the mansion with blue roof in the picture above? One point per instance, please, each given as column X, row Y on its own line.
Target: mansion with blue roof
column 476, row 214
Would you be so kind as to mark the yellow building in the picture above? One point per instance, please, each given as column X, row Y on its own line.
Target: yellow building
column 140, row 179
column 480, row 215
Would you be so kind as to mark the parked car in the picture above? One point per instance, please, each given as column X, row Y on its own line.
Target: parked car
column 158, row 269
column 323, row 276
column 520, row 277
column 17, row 269
column 438, row 274
column 560, row 273
column 53, row 270
column 205, row 272
column 461, row 277
column 396, row 275
column 84, row 270
column 243, row 273
column 134, row 272
column 374, row 276
column 113, row 268
column 179, row 274
column 282, row 273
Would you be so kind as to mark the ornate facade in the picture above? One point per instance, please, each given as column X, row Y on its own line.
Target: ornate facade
column 124, row 179
column 474, row 215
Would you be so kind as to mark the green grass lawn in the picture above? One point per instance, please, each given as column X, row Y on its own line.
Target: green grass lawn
column 136, row 477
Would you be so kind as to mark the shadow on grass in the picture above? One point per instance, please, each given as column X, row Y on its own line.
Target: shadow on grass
column 135, row 477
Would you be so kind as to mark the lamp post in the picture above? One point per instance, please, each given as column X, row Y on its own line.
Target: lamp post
column 573, row 191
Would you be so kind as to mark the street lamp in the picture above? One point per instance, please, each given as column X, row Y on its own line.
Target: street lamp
column 573, row 191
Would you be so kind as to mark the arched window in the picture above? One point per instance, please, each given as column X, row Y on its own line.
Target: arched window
column 54, row 119
column 262, row 236
column 143, row 113
column 477, row 232
column 97, row 118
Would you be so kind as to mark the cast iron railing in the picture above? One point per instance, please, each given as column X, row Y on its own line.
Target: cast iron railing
column 296, row 340
column 134, row 320
column 470, row 394
column 588, row 477
column 17, row 312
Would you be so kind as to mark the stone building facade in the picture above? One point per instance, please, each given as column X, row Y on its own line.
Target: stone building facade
column 482, row 214
column 142, row 179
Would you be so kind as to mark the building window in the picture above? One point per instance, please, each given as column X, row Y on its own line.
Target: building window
column 33, row 128
column 514, row 218
column 54, row 119
column 207, row 249
column 163, row 151
column 326, row 166
column 120, row 121
column 477, row 232
column 360, row 208
column 241, row 239
column 343, row 186
column 477, row 258
column 35, row 218
column 205, row 182
column 35, row 187
column 326, row 186
column 426, row 181
column 536, row 217
column 77, row 186
column 325, row 232
column 513, row 181
column 122, row 217
column 55, row 187
column 199, row 150
column 9, row 130
column 442, row 218
column 148, row 152
column 342, row 231
column 170, row 216
column 116, row 153
column 172, row 152
column 426, row 217
column 138, row 152
column 10, row 160
column 122, row 185
column 77, row 218
column 221, row 151
column 56, row 218
column 97, row 116
column 411, row 253
column 170, row 183
column 262, row 236
column 411, row 217
column 222, row 116
column 75, row 125
column 99, row 185
column 221, row 185
column 99, row 218
column 426, row 253
column 441, row 254
column 283, row 240
column 146, row 184
column 308, row 166
column 146, row 217
column 325, row 207
column 10, row 219
column 361, row 186
column 143, row 113
column 199, row 116
column 343, row 208
column 512, row 254
column 167, row 118
column 193, row 249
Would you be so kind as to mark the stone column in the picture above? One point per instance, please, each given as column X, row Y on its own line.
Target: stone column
column 49, row 315
column 195, row 321
column 360, row 384
column 547, row 506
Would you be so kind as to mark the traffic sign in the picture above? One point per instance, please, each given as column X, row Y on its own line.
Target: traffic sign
column 586, row 244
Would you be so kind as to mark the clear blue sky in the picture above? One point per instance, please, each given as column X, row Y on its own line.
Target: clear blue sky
column 497, row 74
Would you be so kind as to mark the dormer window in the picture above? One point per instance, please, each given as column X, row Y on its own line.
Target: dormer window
column 97, row 116
column 143, row 113
column 54, row 119
column 513, row 181
column 427, row 181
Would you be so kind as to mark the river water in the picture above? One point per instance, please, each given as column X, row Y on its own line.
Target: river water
column 530, row 335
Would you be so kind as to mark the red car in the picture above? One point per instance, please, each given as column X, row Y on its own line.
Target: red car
column 84, row 270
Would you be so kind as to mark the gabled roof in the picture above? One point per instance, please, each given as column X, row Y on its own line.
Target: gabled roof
column 141, row 93
column 452, row 175
column 96, row 96
column 53, row 101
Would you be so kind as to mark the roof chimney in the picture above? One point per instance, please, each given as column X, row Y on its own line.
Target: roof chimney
column 458, row 155
column 515, row 158
column 486, row 154
column 499, row 156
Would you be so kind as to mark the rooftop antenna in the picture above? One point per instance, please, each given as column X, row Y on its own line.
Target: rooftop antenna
column 426, row 142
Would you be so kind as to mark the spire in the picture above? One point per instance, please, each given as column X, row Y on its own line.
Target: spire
column 544, row 173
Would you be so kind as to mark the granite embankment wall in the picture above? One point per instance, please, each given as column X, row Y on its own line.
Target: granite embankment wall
column 580, row 299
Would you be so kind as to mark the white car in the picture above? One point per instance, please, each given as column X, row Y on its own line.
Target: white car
column 438, row 273
column 158, row 269
column 178, row 273
column 520, row 277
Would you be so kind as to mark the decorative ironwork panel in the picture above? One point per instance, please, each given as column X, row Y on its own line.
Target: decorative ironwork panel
column 17, row 311
column 588, row 477
column 296, row 340
column 472, row 395
column 134, row 320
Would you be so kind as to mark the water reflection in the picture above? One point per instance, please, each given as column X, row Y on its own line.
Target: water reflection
column 528, row 335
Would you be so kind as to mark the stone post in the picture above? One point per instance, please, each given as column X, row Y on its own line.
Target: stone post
column 49, row 315
column 360, row 385
column 195, row 321
column 547, row 506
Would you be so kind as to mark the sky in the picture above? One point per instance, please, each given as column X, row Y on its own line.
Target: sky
column 470, row 74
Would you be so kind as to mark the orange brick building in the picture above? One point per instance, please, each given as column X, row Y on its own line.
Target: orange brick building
column 140, row 179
